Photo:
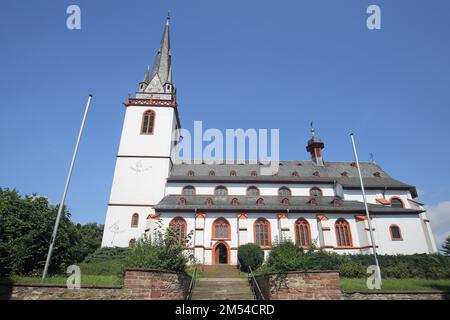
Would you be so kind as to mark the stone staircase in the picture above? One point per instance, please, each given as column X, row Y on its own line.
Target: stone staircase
column 221, row 282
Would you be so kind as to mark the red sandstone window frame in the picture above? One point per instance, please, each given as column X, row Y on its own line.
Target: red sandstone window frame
column 131, row 243
column 302, row 228
column 148, row 125
column 221, row 222
column 399, row 232
column 183, row 192
column 399, row 199
column 343, row 233
column 267, row 234
column 315, row 188
column 220, row 187
column 179, row 226
column 284, row 188
column 253, row 188
column 134, row 220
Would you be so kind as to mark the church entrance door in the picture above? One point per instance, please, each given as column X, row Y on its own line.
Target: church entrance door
column 221, row 254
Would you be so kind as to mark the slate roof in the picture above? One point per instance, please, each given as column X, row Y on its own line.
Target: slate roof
column 272, row 203
column 344, row 173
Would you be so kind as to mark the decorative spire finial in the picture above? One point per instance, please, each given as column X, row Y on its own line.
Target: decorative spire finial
column 312, row 129
column 168, row 18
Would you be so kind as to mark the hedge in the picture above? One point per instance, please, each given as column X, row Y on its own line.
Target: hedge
column 288, row 257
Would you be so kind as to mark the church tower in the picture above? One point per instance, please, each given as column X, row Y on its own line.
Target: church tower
column 144, row 158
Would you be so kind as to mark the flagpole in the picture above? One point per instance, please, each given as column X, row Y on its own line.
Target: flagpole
column 374, row 247
column 66, row 186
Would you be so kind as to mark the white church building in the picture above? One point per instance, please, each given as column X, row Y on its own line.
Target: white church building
column 224, row 206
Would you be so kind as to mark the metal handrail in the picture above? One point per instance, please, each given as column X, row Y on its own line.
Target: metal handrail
column 253, row 279
column 191, row 285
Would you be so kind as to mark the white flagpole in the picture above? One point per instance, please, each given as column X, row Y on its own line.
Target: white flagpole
column 374, row 247
column 66, row 186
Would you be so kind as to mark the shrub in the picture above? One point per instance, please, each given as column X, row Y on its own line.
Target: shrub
column 106, row 254
column 250, row 254
column 164, row 252
column 352, row 269
column 286, row 256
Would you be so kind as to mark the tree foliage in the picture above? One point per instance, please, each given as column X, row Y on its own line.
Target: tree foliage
column 446, row 246
column 26, row 225
column 250, row 254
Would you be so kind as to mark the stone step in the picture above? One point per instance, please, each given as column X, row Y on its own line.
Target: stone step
column 222, row 286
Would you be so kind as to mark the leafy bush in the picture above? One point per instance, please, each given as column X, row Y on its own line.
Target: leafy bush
column 164, row 252
column 286, row 256
column 106, row 254
column 250, row 254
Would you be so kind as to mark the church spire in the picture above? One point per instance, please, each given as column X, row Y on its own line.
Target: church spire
column 159, row 81
column 162, row 64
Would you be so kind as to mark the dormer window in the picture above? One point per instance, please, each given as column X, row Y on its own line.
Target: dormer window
column 313, row 202
column 353, row 164
column 209, row 201
column 188, row 191
column 252, row 191
column 220, row 191
column 260, row 202
column 295, row 174
column 253, row 173
column 344, row 174
column 284, row 192
column 233, row 173
column 377, row 174
column 316, row 174
column 234, row 202
column 285, row 201
column 397, row 202
column 212, row 173
column 315, row 192
column 190, row 173
column 182, row 201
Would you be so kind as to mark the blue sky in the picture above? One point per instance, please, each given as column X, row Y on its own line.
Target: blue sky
column 237, row 64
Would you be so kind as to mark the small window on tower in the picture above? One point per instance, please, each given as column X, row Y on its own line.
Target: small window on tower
column 148, row 122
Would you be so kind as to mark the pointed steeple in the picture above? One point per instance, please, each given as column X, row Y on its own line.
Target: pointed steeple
column 158, row 83
column 161, row 67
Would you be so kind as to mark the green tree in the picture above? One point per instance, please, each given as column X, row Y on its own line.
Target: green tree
column 26, row 225
column 446, row 246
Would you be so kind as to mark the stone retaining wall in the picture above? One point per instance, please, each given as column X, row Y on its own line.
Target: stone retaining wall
column 397, row 296
column 156, row 285
column 323, row 285
column 58, row 292
column 139, row 284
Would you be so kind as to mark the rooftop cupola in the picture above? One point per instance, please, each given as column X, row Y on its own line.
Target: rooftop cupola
column 314, row 147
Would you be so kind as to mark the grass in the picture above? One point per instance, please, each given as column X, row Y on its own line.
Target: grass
column 399, row 285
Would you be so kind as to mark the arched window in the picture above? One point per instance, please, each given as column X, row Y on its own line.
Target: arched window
column 302, row 233
column 148, row 122
column 134, row 220
column 221, row 229
column 131, row 243
column 262, row 232
column 190, row 173
column 188, row 191
column 397, row 202
column 234, row 202
column 343, row 234
column 233, row 173
column 182, row 201
column 209, row 201
column 220, row 191
column 315, row 192
column 260, row 202
column 179, row 226
column 212, row 173
column 284, row 192
column 252, row 191
column 396, row 234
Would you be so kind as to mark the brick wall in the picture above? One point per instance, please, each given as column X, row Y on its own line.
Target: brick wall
column 156, row 285
column 323, row 285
